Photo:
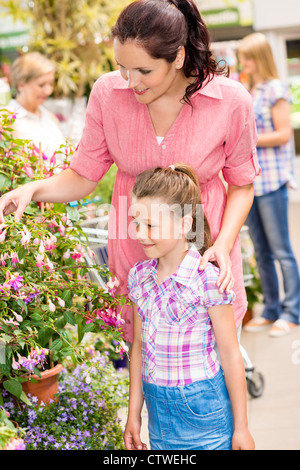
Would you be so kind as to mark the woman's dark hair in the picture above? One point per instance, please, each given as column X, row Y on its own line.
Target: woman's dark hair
column 162, row 27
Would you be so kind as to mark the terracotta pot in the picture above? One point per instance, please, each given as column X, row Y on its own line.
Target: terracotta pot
column 45, row 387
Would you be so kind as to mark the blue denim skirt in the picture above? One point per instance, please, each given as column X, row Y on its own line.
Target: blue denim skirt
column 197, row 416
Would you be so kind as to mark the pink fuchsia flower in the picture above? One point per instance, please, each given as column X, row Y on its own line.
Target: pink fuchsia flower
column 3, row 258
column 53, row 159
column 15, row 365
column 61, row 302
column 28, row 170
column 14, row 259
column 40, row 260
column 51, row 306
column 50, row 243
column 25, row 238
column 28, row 363
column 18, row 317
column 15, row 444
column 2, row 235
column 122, row 348
column 16, row 281
column 39, row 354
column 67, row 254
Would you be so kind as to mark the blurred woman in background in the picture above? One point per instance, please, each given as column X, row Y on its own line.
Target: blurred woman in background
column 33, row 77
column 268, row 217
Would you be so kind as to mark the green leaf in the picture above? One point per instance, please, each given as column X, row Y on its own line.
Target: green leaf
column 4, row 181
column 73, row 213
column 56, row 345
column 13, row 387
column 69, row 317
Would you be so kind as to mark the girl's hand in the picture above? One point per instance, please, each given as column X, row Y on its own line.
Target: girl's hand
column 242, row 440
column 221, row 256
column 132, row 437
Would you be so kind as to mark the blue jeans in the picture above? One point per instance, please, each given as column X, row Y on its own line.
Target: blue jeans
column 197, row 416
column 268, row 228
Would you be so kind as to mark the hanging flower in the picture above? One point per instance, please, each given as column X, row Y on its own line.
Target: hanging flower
column 51, row 306
column 25, row 238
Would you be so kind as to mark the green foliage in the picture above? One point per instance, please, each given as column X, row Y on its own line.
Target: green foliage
column 74, row 34
column 45, row 289
column 84, row 414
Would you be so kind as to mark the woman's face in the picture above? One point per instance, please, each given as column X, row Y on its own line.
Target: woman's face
column 249, row 66
column 38, row 90
column 149, row 78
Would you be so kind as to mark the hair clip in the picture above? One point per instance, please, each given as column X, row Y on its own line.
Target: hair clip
column 172, row 166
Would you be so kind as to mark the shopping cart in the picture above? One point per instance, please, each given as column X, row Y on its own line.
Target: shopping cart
column 255, row 380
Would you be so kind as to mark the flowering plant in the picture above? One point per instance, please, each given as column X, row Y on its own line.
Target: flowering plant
column 84, row 414
column 45, row 287
column 9, row 435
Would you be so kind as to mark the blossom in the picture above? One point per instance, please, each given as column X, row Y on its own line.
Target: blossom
column 15, row 365
column 51, row 306
column 3, row 258
column 40, row 260
column 18, row 317
column 61, row 302
column 16, row 282
column 14, row 259
column 15, row 444
column 28, row 363
column 28, row 170
column 26, row 236
column 2, row 236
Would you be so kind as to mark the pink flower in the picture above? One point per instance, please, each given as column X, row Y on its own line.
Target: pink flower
column 26, row 236
column 61, row 302
column 40, row 260
column 14, row 259
column 28, row 170
column 3, row 258
column 51, row 306
column 15, row 365
column 53, row 159
column 2, row 236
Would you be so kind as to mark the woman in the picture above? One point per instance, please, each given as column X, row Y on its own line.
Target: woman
column 32, row 77
column 167, row 103
column 268, row 218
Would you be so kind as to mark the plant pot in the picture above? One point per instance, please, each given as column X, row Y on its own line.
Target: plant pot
column 45, row 387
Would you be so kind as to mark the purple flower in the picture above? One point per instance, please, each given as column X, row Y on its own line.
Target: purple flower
column 16, row 282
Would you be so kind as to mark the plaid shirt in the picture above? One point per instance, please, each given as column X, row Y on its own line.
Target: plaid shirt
column 177, row 335
column 276, row 162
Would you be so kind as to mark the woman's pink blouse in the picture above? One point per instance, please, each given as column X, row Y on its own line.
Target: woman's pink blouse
column 216, row 136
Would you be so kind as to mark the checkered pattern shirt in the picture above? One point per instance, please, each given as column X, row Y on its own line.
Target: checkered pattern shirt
column 177, row 335
column 276, row 162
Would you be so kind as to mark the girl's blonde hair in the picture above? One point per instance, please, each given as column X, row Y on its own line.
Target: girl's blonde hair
column 255, row 46
column 29, row 67
column 178, row 187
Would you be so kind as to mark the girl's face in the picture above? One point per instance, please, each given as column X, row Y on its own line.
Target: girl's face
column 159, row 230
column 149, row 78
column 248, row 65
column 38, row 90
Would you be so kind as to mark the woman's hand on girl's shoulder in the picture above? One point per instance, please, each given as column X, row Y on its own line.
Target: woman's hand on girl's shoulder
column 222, row 258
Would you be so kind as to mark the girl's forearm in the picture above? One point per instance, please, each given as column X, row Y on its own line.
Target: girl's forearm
column 234, row 373
column 136, row 398
column 238, row 205
column 274, row 139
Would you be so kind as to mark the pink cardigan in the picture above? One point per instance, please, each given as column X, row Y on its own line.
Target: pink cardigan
column 217, row 134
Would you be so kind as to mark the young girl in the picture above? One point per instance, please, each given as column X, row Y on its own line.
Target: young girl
column 179, row 314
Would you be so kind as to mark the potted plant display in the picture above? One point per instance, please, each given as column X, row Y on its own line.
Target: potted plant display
column 46, row 293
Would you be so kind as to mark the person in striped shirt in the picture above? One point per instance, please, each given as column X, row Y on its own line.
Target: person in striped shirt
column 268, row 217
column 179, row 316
